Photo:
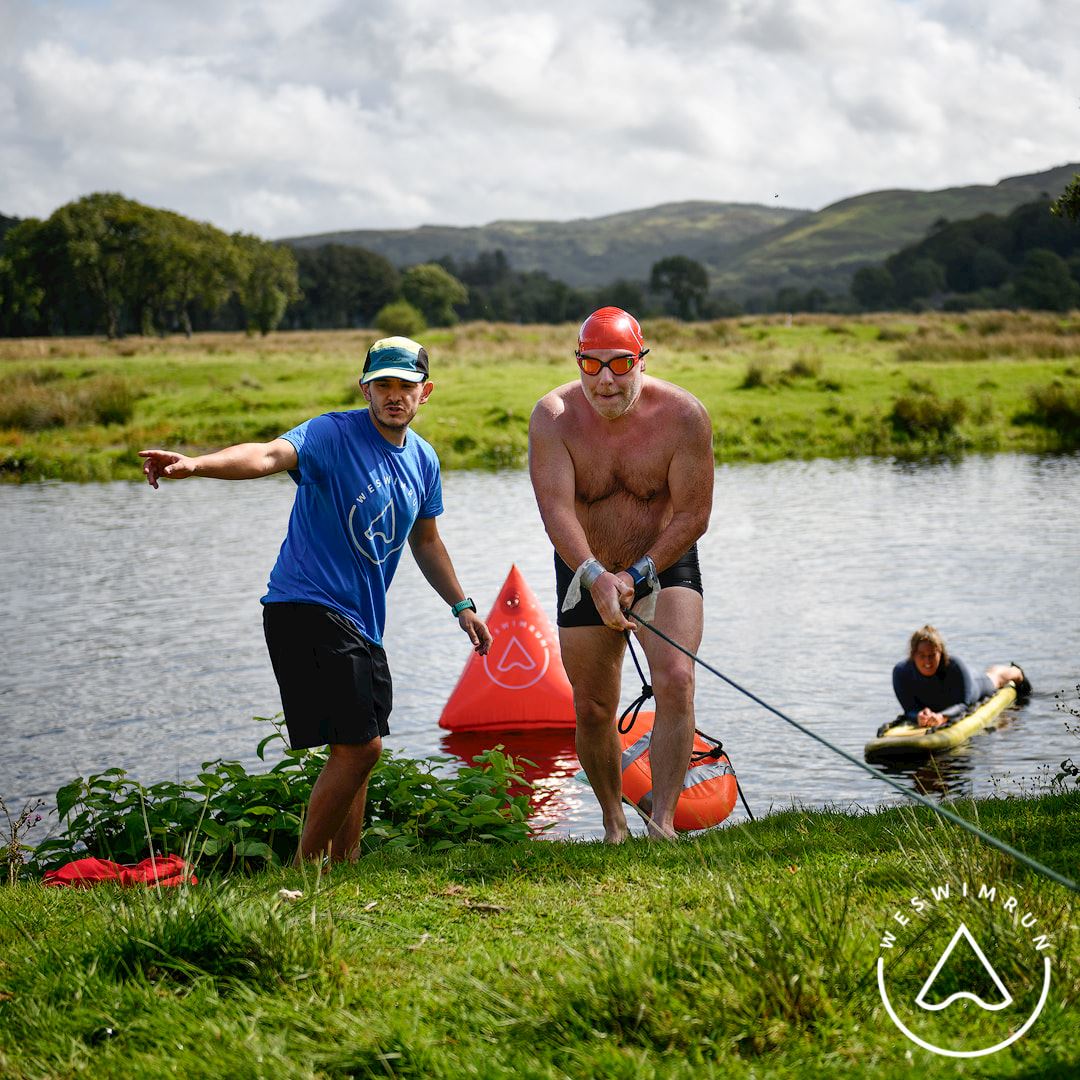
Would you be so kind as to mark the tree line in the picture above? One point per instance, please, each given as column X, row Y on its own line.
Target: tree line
column 107, row 264
column 1028, row 258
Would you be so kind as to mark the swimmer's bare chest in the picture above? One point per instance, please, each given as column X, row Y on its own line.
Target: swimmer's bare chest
column 621, row 494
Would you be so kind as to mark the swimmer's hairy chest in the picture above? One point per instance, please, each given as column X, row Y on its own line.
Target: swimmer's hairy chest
column 599, row 477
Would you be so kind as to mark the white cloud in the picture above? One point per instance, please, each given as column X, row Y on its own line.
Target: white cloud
column 283, row 118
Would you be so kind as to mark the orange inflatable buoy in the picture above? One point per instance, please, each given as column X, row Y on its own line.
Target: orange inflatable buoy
column 520, row 685
column 709, row 789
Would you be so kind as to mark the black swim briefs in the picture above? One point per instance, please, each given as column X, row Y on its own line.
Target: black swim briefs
column 685, row 573
column 335, row 684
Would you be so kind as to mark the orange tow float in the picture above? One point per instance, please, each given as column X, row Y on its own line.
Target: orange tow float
column 709, row 788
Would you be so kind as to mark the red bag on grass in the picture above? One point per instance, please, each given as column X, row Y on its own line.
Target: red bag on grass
column 160, row 870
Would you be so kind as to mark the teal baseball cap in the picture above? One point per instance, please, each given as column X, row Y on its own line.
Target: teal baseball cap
column 396, row 358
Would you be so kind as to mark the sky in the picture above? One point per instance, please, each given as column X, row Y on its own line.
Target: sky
column 291, row 117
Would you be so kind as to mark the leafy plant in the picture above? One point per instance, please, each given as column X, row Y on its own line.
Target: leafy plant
column 229, row 816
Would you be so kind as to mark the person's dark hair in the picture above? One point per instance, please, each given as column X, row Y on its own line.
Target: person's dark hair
column 929, row 634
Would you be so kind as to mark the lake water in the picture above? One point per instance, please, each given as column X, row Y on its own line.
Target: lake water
column 132, row 634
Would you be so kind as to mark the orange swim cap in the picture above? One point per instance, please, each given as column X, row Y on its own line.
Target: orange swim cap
column 611, row 328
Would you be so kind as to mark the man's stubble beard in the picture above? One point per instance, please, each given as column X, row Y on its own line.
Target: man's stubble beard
column 390, row 422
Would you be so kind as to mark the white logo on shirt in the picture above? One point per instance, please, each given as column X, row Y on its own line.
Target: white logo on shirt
column 384, row 527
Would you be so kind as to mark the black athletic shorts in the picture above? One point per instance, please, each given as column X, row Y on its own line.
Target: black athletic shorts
column 335, row 684
column 683, row 574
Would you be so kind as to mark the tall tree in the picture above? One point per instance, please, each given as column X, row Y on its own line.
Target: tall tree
column 434, row 292
column 268, row 281
column 1067, row 204
column 685, row 280
column 873, row 288
column 1044, row 282
column 183, row 263
column 101, row 233
column 343, row 286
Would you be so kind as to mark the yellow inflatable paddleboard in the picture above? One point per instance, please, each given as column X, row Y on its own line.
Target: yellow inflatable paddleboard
column 906, row 739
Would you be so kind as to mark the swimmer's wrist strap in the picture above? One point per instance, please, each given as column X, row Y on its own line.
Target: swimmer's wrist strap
column 643, row 572
column 584, row 578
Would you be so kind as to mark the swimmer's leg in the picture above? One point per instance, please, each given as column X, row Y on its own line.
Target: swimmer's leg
column 999, row 674
column 592, row 656
column 680, row 615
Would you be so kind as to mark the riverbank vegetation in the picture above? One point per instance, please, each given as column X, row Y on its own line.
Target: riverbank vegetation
column 748, row 951
column 227, row 818
column 776, row 387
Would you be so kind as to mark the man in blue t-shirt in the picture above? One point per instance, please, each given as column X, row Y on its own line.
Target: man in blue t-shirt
column 365, row 486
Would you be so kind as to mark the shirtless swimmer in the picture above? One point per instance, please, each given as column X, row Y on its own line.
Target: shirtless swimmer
column 622, row 469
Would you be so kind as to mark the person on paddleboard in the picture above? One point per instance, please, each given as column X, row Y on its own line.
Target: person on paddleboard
column 622, row 469
column 365, row 485
column 934, row 687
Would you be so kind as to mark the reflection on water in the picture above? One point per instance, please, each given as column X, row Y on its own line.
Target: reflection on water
column 133, row 633
column 560, row 804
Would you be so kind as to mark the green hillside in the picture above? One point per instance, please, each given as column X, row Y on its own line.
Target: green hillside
column 588, row 251
column 826, row 248
column 749, row 249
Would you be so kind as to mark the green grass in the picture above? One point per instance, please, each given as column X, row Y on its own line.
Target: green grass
column 749, row 951
column 80, row 409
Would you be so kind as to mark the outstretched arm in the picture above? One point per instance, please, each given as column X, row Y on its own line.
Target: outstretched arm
column 434, row 561
column 242, row 462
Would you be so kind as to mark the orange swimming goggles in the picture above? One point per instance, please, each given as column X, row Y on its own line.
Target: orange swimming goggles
column 619, row 365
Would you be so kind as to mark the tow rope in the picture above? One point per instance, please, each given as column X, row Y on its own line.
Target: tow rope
column 986, row 838
column 717, row 747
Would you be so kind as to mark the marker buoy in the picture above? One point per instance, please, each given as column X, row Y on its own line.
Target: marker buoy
column 520, row 685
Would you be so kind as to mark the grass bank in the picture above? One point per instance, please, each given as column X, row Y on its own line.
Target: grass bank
column 750, row 951
column 817, row 386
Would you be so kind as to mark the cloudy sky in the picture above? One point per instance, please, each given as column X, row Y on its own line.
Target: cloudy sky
column 285, row 117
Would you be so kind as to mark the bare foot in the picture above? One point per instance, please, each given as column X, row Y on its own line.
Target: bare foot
column 616, row 835
column 656, row 833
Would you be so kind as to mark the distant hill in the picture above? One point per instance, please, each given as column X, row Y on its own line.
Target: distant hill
column 824, row 249
column 587, row 251
column 748, row 248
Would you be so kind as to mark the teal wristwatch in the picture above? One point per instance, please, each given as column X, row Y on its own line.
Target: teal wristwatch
column 462, row 605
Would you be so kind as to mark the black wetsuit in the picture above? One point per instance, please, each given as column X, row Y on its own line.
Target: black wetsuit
column 950, row 690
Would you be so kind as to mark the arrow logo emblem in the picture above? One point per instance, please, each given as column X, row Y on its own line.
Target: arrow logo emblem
column 1006, row 997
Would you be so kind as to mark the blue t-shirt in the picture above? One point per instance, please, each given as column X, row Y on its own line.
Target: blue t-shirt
column 357, row 499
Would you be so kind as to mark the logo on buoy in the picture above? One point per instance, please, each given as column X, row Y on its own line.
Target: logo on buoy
column 519, row 655
column 964, row 978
